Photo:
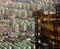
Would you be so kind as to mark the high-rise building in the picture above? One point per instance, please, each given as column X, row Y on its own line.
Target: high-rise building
column 20, row 5
column 8, row 2
column 29, row 13
column 24, row 25
column 12, row 21
column 27, row 6
column 2, row 10
column 16, row 28
column 31, row 5
column 5, row 29
column 23, row 13
column 33, row 25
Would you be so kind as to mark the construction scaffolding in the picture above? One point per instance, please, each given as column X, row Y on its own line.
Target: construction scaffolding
column 47, row 27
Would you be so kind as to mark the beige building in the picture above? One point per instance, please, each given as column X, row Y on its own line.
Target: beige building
column 8, row 1
column 16, row 28
column 23, row 13
column 27, row 6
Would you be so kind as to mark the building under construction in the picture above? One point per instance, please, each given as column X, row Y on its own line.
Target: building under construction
column 47, row 27
column 29, row 24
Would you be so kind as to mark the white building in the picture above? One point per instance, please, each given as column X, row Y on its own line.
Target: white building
column 27, row 6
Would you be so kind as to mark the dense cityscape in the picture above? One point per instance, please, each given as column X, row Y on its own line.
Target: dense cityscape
column 17, row 23
column 16, row 17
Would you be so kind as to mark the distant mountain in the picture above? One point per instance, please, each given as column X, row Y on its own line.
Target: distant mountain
column 25, row 0
column 20, row 0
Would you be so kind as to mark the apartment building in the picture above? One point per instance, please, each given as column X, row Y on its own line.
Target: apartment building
column 5, row 29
